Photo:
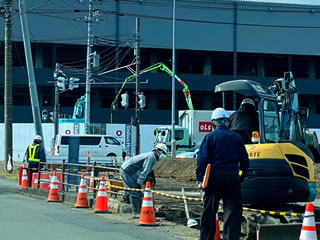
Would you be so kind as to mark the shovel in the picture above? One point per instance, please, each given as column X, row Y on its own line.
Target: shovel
column 191, row 222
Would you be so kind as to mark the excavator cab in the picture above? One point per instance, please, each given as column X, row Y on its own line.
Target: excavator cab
column 267, row 107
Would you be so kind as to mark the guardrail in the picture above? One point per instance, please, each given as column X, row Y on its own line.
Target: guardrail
column 71, row 174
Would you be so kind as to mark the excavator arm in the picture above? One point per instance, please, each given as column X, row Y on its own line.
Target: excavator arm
column 162, row 67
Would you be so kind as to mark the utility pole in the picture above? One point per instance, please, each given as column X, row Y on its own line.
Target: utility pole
column 137, row 54
column 88, row 72
column 8, row 82
column 173, row 97
column 32, row 82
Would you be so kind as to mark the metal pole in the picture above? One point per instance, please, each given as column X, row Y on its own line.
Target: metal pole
column 173, row 137
column 116, row 87
column 8, row 83
column 235, row 50
column 88, row 72
column 56, row 112
column 137, row 53
column 32, row 82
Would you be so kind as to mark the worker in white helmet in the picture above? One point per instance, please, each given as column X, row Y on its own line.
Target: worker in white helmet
column 245, row 120
column 134, row 172
column 35, row 156
column 224, row 150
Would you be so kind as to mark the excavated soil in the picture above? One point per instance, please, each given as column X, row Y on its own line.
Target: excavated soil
column 180, row 168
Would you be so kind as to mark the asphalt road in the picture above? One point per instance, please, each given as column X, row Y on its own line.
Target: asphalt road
column 24, row 218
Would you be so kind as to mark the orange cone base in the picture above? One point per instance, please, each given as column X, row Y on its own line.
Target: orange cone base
column 101, row 211
column 53, row 197
column 147, row 218
column 84, row 205
column 101, row 206
column 148, row 225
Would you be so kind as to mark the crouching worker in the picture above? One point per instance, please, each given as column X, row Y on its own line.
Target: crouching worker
column 135, row 170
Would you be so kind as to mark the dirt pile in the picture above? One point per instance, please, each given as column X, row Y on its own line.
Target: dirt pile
column 182, row 168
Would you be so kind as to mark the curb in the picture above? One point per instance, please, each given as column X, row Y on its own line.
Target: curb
column 70, row 198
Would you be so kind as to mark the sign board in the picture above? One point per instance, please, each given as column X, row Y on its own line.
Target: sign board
column 205, row 127
column 73, row 157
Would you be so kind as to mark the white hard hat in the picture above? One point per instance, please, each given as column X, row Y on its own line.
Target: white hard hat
column 219, row 113
column 162, row 147
column 248, row 101
column 38, row 137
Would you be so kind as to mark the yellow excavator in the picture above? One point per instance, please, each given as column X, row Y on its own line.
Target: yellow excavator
column 283, row 153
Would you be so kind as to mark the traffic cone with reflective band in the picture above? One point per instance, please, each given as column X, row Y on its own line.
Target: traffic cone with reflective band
column 308, row 229
column 101, row 205
column 217, row 234
column 91, row 184
column 147, row 217
column 82, row 198
column 24, row 179
column 54, row 192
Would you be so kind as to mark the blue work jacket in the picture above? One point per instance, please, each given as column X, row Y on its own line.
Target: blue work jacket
column 223, row 149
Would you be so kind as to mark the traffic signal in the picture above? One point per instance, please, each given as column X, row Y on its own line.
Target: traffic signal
column 44, row 115
column 61, row 83
column 125, row 100
column 73, row 83
column 141, row 100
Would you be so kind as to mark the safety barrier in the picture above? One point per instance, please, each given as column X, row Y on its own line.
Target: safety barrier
column 76, row 170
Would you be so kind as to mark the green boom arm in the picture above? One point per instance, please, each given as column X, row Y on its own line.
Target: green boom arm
column 161, row 66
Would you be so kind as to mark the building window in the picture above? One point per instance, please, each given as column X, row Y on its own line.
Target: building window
column 318, row 109
column 317, row 60
column 73, row 56
column 144, row 58
column 300, row 67
column 165, row 57
column 222, row 64
column 18, row 58
column 247, row 65
column 190, row 62
column 275, row 65
column 47, row 56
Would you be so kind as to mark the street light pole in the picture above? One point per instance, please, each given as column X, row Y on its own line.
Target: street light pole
column 30, row 70
column 173, row 137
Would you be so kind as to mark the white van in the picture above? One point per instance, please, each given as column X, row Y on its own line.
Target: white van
column 102, row 148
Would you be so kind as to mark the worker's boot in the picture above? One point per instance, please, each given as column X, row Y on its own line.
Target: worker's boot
column 136, row 206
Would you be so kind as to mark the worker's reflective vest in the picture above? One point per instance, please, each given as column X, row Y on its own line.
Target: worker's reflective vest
column 32, row 151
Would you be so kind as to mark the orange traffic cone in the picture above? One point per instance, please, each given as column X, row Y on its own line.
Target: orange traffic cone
column 217, row 234
column 54, row 192
column 101, row 205
column 91, row 184
column 147, row 216
column 82, row 199
column 308, row 229
column 24, row 179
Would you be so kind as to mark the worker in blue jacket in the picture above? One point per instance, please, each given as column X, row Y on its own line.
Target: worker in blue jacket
column 224, row 150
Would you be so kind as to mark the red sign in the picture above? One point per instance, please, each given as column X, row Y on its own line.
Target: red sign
column 119, row 133
column 205, row 127
column 68, row 132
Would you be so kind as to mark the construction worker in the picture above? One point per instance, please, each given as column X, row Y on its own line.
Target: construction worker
column 134, row 172
column 245, row 120
column 35, row 156
column 224, row 150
